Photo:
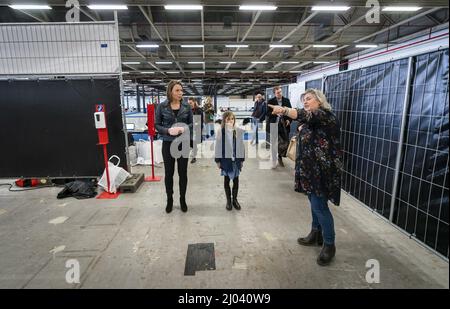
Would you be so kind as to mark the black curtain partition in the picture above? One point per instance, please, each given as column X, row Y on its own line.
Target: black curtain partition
column 48, row 127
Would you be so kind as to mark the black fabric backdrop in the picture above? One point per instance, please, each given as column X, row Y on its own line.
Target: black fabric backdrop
column 47, row 127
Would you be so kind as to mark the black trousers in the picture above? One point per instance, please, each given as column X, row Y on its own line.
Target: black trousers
column 169, row 167
column 226, row 184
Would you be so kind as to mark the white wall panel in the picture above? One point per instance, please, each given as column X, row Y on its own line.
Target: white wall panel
column 59, row 49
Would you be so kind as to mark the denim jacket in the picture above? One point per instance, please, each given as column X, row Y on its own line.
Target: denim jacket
column 165, row 119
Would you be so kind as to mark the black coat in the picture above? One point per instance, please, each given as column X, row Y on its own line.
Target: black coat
column 165, row 118
column 284, row 102
column 283, row 128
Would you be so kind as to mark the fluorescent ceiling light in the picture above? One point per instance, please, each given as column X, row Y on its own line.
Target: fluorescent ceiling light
column 234, row 80
column 147, row 46
column 230, row 83
column 198, row 72
column 147, row 72
column 172, row 72
column 163, row 62
column 324, row 46
column 290, row 62
column 125, row 72
column 259, row 62
column 197, row 80
column 29, row 7
column 366, row 46
column 227, row 62
column 280, row 46
column 222, row 72
column 245, row 72
column 295, row 71
column 184, row 7
column 131, row 62
column 107, row 7
column 192, row 46
column 320, row 62
column 401, row 9
column 236, row 45
column 156, row 80
column 196, row 62
column 330, row 8
column 270, row 72
column 257, row 8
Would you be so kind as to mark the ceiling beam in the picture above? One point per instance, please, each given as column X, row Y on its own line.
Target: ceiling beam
column 374, row 34
column 397, row 24
column 255, row 18
column 84, row 11
column 33, row 16
column 150, row 21
column 298, row 27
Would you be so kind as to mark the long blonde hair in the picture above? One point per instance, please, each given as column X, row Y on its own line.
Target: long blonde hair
column 323, row 102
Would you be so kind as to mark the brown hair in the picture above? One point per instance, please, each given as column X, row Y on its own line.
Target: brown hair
column 276, row 88
column 170, row 86
column 226, row 115
column 193, row 100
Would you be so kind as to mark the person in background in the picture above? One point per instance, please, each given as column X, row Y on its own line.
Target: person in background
column 198, row 123
column 283, row 124
column 173, row 121
column 208, row 109
column 318, row 167
column 230, row 157
column 258, row 116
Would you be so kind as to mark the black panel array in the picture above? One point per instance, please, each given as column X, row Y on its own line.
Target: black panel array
column 423, row 195
column 315, row 84
column 369, row 103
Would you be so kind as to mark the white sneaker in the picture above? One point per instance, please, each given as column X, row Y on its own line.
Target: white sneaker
column 253, row 143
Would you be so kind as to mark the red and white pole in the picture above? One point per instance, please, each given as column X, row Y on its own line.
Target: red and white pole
column 103, row 139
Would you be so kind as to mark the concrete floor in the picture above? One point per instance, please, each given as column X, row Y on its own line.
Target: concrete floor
column 132, row 243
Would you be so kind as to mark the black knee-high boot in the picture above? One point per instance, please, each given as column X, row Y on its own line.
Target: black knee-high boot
column 226, row 185
column 235, row 193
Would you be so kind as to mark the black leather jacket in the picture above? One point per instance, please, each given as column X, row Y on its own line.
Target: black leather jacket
column 165, row 119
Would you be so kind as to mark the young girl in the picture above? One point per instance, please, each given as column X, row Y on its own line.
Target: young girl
column 230, row 156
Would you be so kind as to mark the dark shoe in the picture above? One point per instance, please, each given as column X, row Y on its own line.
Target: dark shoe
column 326, row 255
column 183, row 204
column 280, row 162
column 169, row 206
column 236, row 204
column 229, row 205
column 193, row 160
column 314, row 238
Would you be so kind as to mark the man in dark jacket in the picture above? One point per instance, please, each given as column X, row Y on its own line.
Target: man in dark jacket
column 258, row 116
column 283, row 123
